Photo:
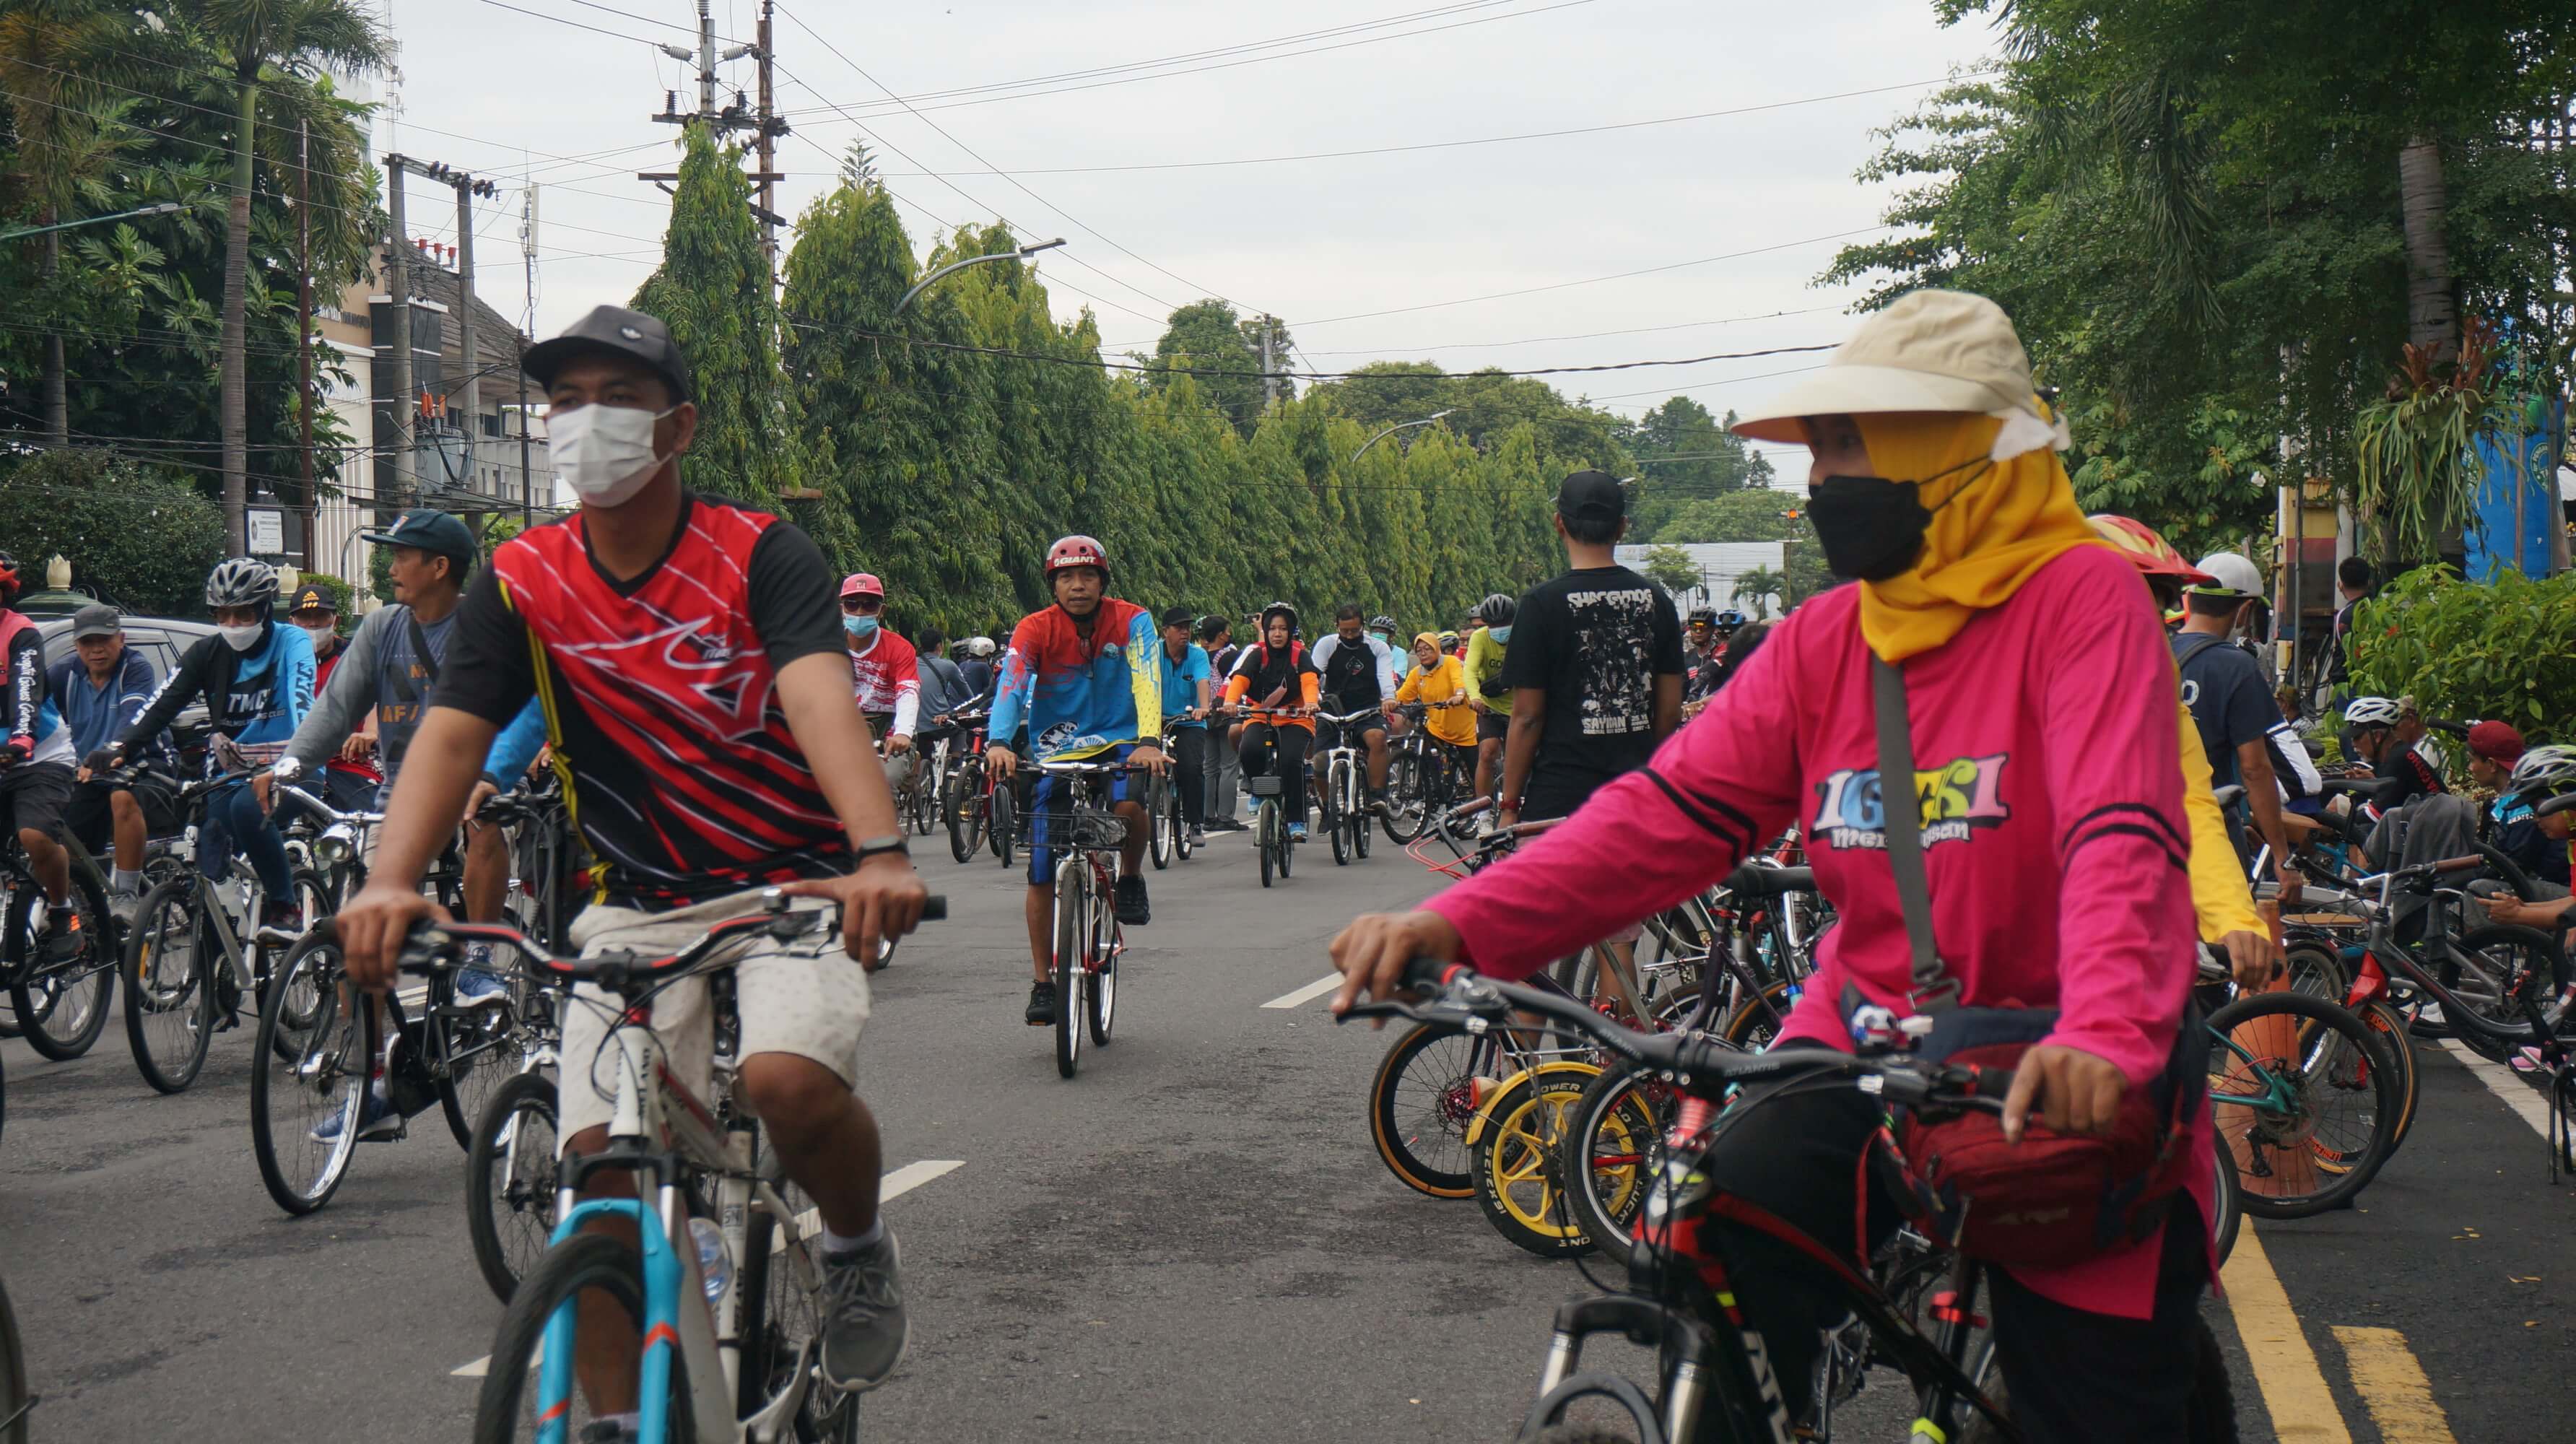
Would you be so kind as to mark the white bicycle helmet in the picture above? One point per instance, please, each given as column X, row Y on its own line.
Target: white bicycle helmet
column 241, row 582
column 2230, row 575
column 980, row 647
column 2544, row 770
column 2371, row 712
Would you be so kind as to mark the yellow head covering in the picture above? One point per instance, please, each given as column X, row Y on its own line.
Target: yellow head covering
column 1994, row 525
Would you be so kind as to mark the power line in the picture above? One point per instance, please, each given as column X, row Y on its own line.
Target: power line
column 1534, row 340
column 1454, row 144
column 1594, row 280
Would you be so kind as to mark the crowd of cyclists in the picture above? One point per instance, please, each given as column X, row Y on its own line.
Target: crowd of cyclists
column 670, row 660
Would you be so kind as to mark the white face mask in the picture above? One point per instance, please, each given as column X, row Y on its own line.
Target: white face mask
column 322, row 637
column 604, row 453
column 242, row 639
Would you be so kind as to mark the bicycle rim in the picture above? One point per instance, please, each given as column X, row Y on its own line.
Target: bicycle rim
column 169, row 992
column 294, row 1091
column 2301, row 1097
column 510, row 1182
column 1101, row 985
column 1067, row 966
column 588, row 1263
column 1420, row 1104
column 1516, row 1161
column 1609, row 1148
column 63, row 1009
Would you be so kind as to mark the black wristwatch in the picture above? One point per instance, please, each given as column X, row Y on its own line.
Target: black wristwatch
column 878, row 846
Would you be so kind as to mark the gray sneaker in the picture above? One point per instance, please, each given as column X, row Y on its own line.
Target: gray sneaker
column 123, row 905
column 865, row 1327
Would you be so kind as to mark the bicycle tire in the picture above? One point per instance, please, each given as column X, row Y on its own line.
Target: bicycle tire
column 158, row 1010
column 1161, row 820
column 1100, row 989
column 1361, row 831
column 2537, row 949
column 1519, row 1181
column 964, row 819
column 320, row 1073
column 586, row 1262
column 1287, row 842
column 1336, row 783
column 2317, row 967
column 1004, row 824
column 1419, row 1105
column 1181, row 844
column 2385, row 1021
column 1408, row 798
column 14, row 1397
column 1070, row 901
column 18, row 914
column 498, row 1212
column 2229, row 1202
column 775, row 1323
column 1626, row 1107
column 85, row 986
column 2286, row 1167
column 479, row 1049
column 1265, row 828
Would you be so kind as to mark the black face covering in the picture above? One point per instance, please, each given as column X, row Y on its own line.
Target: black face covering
column 1872, row 528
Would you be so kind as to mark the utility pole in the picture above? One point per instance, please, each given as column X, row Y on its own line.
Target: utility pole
column 304, row 331
column 770, row 128
column 706, row 61
column 527, row 255
column 466, row 188
column 764, row 122
column 1269, row 382
column 399, row 283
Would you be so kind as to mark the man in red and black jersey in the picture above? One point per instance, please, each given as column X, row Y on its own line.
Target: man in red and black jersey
column 688, row 659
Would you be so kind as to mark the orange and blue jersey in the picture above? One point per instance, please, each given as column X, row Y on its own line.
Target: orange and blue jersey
column 1080, row 698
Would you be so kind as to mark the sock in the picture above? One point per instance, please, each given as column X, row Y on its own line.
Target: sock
column 127, row 880
column 59, row 915
column 834, row 1243
column 626, row 1423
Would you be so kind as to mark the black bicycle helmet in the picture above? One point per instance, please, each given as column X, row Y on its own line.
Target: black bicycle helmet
column 1496, row 610
column 1703, row 616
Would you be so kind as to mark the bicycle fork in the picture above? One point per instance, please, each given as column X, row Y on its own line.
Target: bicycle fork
column 1673, row 1334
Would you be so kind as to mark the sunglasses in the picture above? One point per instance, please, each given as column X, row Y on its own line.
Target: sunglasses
column 862, row 606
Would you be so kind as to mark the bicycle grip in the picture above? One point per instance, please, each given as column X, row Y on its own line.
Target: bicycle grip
column 1425, row 975
column 934, row 908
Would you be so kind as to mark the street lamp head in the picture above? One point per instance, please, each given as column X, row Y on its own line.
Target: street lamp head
column 1031, row 250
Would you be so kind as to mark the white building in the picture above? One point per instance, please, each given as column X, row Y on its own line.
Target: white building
column 1719, row 564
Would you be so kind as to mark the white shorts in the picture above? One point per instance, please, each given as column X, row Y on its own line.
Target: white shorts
column 812, row 1006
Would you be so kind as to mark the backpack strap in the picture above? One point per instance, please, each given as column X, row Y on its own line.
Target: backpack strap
column 1901, row 818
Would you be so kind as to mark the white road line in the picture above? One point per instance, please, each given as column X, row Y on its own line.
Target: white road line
column 2506, row 1084
column 893, row 1186
column 1306, row 994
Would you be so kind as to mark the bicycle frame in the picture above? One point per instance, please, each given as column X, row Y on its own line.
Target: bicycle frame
column 2381, row 957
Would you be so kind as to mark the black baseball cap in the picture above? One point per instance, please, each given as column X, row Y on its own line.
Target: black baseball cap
column 617, row 330
column 1591, row 496
column 311, row 598
column 428, row 529
column 98, row 619
column 1179, row 617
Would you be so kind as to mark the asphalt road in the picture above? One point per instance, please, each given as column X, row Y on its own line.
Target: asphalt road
column 1191, row 1241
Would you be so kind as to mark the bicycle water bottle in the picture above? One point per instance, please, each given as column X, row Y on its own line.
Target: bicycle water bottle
column 715, row 1266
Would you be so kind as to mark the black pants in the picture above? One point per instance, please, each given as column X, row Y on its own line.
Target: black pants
column 2075, row 1377
column 1286, row 759
column 1189, row 772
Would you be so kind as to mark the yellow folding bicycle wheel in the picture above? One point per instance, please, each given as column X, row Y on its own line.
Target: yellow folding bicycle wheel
column 1516, row 1153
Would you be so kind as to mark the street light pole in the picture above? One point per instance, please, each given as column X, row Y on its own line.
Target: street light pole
column 1022, row 254
column 1399, row 426
column 163, row 209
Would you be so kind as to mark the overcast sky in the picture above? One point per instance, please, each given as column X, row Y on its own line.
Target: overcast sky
column 516, row 95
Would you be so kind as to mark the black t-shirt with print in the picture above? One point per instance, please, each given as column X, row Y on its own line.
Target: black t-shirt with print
column 1593, row 640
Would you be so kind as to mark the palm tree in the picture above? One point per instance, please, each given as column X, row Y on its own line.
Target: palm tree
column 1757, row 587
column 70, row 135
column 256, row 39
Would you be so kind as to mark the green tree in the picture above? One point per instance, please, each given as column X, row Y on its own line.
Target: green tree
column 1671, row 568
column 1757, row 587
column 259, row 41
column 1684, row 454
column 1206, row 337
column 712, row 289
column 134, row 536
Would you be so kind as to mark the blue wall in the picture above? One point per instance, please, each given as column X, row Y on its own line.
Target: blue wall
column 2540, row 439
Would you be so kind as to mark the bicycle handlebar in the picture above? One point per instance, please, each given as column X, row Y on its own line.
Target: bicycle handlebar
column 432, row 945
column 1456, row 994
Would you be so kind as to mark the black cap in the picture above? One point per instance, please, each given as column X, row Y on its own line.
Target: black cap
column 617, row 330
column 1591, row 496
column 430, row 530
column 98, row 619
column 309, row 597
column 1179, row 617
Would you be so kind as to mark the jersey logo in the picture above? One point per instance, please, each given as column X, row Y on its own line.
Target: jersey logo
column 732, row 690
column 1955, row 798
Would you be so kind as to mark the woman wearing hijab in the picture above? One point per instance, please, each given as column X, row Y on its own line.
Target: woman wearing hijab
column 2040, row 698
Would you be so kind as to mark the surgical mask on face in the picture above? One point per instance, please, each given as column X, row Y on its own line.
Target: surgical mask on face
column 604, row 453
column 1500, row 634
column 1872, row 528
column 243, row 638
column 859, row 627
column 322, row 637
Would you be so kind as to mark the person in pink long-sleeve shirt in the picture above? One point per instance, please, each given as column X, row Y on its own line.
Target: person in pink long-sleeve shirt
column 2041, row 708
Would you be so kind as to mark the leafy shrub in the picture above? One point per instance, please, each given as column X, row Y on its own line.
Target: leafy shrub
column 2505, row 649
column 135, row 537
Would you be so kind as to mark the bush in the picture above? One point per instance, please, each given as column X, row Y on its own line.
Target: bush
column 2505, row 650
column 134, row 536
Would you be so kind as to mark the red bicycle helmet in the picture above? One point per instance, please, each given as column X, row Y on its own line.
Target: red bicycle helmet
column 1077, row 551
column 2152, row 554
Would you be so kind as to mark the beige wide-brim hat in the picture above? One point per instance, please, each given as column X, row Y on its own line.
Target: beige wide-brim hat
column 1929, row 351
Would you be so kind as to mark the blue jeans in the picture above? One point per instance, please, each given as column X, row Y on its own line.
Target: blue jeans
column 236, row 824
